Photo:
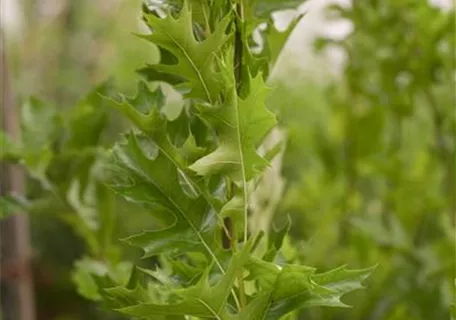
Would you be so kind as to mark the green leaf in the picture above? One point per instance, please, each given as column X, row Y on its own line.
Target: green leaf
column 324, row 289
column 87, row 121
column 234, row 209
column 9, row 150
column 149, row 177
column 263, row 272
column 256, row 309
column 292, row 287
column 124, row 295
column 82, row 277
column 201, row 300
column 200, row 9
column 196, row 61
column 40, row 125
column 106, row 220
column 241, row 125
column 11, row 205
column 143, row 109
column 190, row 151
column 149, row 170
column 276, row 40
column 275, row 241
column 183, row 272
column 340, row 281
column 88, row 273
column 264, row 8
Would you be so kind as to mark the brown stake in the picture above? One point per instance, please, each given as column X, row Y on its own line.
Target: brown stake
column 15, row 241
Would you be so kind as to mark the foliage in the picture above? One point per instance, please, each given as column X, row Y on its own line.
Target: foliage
column 62, row 154
column 370, row 160
column 59, row 52
column 195, row 173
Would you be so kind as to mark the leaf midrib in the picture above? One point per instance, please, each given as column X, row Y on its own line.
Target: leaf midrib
column 241, row 156
column 208, row 307
column 182, row 212
column 208, row 200
column 195, row 68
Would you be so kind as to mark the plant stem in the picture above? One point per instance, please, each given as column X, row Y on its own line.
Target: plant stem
column 238, row 45
column 228, row 234
column 238, row 48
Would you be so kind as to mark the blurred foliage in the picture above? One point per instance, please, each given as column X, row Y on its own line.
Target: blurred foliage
column 66, row 47
column 370, row 160
column 62, row 153
column 61, row 51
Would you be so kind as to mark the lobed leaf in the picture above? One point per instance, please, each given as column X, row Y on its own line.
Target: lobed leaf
column 292, row 287
column 188, row 64
column 149, row 170
column 201, row 300
column 241, row 125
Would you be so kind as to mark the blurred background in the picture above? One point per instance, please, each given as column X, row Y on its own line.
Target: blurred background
column 365, row 92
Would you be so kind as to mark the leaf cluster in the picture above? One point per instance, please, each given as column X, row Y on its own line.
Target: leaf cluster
column 194, row 173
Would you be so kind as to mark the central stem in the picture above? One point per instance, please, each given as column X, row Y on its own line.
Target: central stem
column 238, row 45
column 238, row 50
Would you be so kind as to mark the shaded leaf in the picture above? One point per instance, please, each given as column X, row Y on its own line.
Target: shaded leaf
column 275, row 240
column 11, row 205
column 201, row 300
column 9, row 150
column 149, row 170
column 150, row 178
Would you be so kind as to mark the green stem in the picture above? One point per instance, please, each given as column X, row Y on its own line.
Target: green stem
column 238, row 48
